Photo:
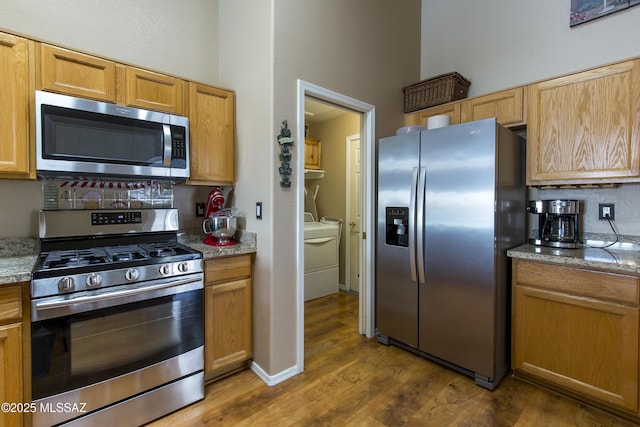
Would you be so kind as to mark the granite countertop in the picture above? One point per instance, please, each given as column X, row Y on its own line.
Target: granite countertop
column 18, row 256
column 245, row 244
column 623, row 258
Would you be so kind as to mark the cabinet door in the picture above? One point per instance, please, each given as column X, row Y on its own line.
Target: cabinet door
column 228, row 326
column 420, row 118
column 149, row 90
column 312, row 153
column 11, row 372
column 14, row 107
column 585, row 128
column 211, row 130
column 72, row 73
column 506, row 106
column 583, row 345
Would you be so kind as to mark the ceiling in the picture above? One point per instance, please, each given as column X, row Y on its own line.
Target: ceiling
column 316, row 111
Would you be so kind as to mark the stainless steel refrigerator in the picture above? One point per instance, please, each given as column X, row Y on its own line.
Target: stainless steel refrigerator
column 451, row 201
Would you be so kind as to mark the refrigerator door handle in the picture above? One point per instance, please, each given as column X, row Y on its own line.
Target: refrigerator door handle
column 422, row 186
column 412, row 224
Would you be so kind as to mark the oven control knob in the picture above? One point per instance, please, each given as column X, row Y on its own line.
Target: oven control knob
column 93, row 280
column 131, row 274
column 183, row 267
column 165, row 269
column 66, row 284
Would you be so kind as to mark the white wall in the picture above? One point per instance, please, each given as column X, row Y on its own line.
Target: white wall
column 365, row 49
column 499, row 44
column 175, row 37
column 246, row 65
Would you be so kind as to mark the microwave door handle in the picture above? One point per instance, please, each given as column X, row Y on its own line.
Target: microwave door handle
column 166, row 155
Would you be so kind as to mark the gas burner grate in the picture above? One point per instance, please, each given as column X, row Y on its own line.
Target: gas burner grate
column 164, row 249
column 74, row 258
column 125, row 253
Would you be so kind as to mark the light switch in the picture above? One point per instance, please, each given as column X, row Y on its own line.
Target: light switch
column 258, row 210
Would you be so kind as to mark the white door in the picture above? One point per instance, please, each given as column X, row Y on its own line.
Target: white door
column 353, row 214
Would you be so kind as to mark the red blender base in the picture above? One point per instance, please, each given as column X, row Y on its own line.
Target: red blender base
column 219, row 241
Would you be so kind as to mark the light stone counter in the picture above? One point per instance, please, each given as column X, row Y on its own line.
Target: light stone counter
column 16, row 269
column 616, row 258
column 17, row 257
column 246, row 244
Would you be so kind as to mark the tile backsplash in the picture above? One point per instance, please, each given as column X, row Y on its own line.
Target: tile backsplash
column 626, row 198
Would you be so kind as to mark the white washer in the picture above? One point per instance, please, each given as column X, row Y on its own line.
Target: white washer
column 321, row 247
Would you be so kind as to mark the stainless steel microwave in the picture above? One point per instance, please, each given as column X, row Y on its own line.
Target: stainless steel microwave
column 81, row 137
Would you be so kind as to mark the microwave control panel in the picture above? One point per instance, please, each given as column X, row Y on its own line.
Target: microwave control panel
column 178, row 143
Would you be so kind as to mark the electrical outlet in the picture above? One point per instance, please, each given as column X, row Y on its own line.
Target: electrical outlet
column 606, row 210
column 200, row 209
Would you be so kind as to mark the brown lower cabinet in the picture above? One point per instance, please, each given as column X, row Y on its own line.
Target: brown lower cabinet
column 12, row 354
column 228, row 328
column 577, row 330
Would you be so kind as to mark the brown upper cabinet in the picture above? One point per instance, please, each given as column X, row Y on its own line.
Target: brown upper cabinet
column 211, row 129
column 86, row 76
column 76, row 74
column 312, row 153
column 211, row 110
column 507, row 106
column 584, row 128
column 420, row 118
column 16, row 88
column 152, row 91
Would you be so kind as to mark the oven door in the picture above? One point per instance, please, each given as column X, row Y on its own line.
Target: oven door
column 101, row 348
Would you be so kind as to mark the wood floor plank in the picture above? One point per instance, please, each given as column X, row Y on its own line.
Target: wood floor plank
column 353, row 381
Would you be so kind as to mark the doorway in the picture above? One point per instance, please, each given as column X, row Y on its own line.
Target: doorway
column 353, row 215
column 366, row 196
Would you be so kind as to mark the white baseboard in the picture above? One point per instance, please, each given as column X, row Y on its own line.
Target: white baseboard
column 272, row 380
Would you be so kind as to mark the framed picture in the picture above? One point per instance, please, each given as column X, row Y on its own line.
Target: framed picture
column 586, row 10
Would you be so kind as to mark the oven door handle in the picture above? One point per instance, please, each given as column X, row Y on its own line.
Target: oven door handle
column 149, row 291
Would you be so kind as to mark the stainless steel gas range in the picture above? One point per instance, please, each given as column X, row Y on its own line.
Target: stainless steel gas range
column 117, row 318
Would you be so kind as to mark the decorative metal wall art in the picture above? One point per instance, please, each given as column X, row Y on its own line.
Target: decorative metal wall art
column 286, row 141
column 587, row 10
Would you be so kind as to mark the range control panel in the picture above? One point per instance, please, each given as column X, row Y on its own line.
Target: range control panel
column 113, row 218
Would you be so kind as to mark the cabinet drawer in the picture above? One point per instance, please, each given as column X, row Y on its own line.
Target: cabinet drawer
column 596, row 284
column 10, row 303
column 225, row 269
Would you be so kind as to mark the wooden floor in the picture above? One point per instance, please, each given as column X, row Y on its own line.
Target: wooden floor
column 350, row 380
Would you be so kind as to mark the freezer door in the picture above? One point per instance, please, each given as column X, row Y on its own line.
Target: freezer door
column 457, row 312
column 396, row 285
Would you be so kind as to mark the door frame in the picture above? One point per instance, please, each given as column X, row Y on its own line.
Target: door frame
column 367, row 199
column 346, row 228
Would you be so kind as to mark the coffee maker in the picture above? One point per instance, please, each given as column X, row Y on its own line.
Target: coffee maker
column 558, row 223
